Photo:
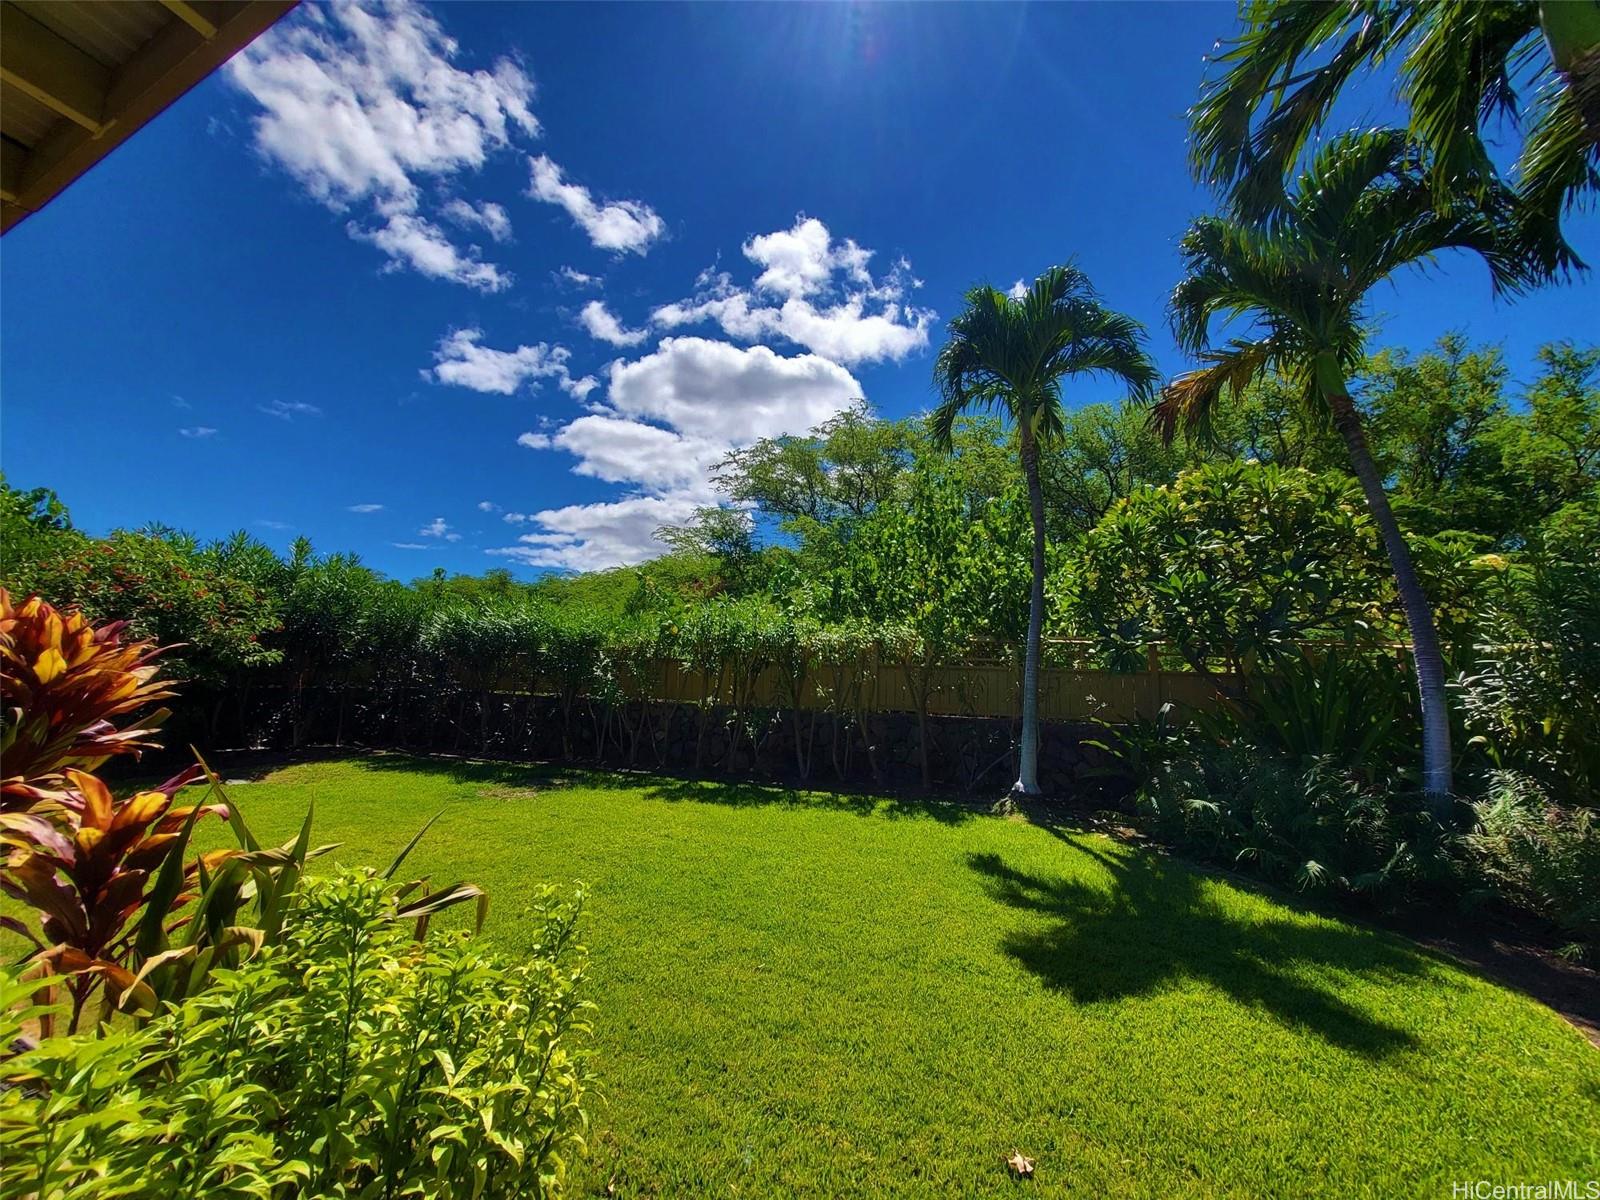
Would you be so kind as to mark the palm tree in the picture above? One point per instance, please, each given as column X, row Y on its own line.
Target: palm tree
column 1011, row 352
column 1459, row 64
column 1363, row 210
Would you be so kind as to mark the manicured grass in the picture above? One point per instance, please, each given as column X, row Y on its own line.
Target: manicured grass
column 808, row 995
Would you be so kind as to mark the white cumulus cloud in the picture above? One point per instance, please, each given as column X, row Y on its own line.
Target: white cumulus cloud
column 645, row 456
column 719, row 391
column 666, row 420
column 485, row 215
column 365, row 508
column 589, row 537
column 617, row 225
column 816, row 291
column 579, row 389
column 359, row 102
column 439, row 528
column 197, row 431
column 410, row 240
column 462, row 360
column 603, row 325
column 802, row 260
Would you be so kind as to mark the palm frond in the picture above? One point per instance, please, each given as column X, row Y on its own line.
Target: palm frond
column 1328, row 192
column 1115, row 348
column 1368, row 200
column 1229, row 148
column 1190, row 402
column 1457, row 74
column 1361, row 211
column 1231, row 269
column 1461, row 63
column 1559, row 164
column 1011, row 353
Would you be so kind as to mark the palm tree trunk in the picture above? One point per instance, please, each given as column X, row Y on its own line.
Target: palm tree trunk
column 1028, row 769
column 1436, row 782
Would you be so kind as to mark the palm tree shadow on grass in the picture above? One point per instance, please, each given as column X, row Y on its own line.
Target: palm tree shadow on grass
column 741, row 794
column 1156, row 926
column 532, row 776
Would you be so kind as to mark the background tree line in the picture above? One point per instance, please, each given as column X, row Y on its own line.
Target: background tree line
column 1240, row 551
column 869, row 520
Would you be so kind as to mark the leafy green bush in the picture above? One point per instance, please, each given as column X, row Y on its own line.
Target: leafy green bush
column 1533, row 694
column 1234, row 791
column 348, row 1060
column 1232, row 561
column 1537, row 855
column 1353, row 708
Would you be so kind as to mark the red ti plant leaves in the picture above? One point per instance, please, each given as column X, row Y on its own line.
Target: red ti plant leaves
column 91, row 881
column 64, row 681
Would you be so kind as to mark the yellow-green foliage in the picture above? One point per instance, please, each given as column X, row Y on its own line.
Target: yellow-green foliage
column 347, row 1060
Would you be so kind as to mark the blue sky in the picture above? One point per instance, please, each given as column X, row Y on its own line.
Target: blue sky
column 487, row 285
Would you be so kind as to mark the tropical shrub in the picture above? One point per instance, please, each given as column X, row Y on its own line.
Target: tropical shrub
column 1300, row 781
column 1537, row 855
column 1533, row 693
column 839, row 654
column 728, row 643
column 1335, row 703
column 94, row 874
column 165, row 588
column 107, row 877
column 1302, row 821
column 346, row 1060
column 64, row 680
column 915, row 575
column 1233, row 561
column 1321, row 827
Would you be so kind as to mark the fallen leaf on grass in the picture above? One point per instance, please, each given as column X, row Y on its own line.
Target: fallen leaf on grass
column 1020, row 1164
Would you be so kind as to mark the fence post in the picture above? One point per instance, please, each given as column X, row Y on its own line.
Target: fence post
column 1152, row 666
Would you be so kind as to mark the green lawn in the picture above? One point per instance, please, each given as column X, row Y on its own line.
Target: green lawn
column 808, row 995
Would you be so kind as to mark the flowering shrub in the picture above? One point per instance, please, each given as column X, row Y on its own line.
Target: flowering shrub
column 202, row 603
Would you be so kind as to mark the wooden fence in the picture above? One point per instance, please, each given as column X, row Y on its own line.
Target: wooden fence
column 978, row 685
column 892, row 722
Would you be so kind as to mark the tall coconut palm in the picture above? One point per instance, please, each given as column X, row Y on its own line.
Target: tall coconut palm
column 1459, row 64
column 1010, row 353
column 1360, row 212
